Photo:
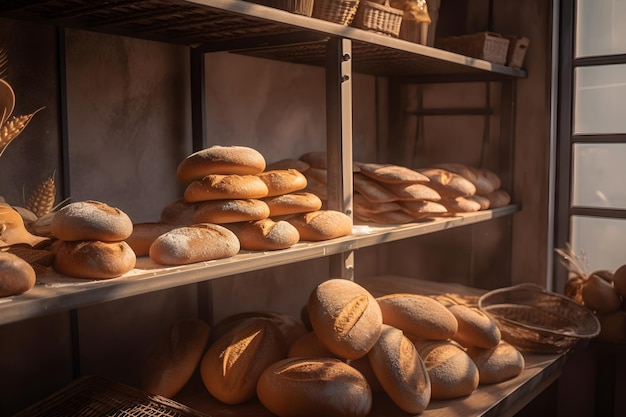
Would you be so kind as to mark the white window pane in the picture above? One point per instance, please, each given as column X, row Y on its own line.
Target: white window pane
column 599, row 99
column 602, row 240
column 600, row 28
column 599, row 177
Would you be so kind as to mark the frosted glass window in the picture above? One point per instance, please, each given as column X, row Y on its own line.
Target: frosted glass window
column 600, row 28
column 602, row 240
column 599, row 99
column 599, row 175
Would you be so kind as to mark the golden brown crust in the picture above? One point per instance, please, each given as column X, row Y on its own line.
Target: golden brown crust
column 219, row 187
column 391, row 174
column 144, row 234
column 240, row 160
column 497, row 364
column 16, row 275
column 93, row 259
column 283, row 181
column 498, row 198
column 231, row 211
column 372, row 190
column 91, row 220
column 414, row 192
column 321, row 224
column 460, row 205
column 449, row 184
column 345, row 316
column 266, row 234
column 475, row 327
column 179, row 212
column 293, row 203
column 309, row 346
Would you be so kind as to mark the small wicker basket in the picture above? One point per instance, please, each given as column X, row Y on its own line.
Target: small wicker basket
column 517, row 51
column 379, row 18
column 535, row 320
column 336, row 11
column 489, row 46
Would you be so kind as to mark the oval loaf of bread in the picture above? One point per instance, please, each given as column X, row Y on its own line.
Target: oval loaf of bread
column 321, row 224
column 497, row 364
column 218, row 159
column 475, row 328
column 93, row 259
column 91, row 220
column 16, row 275
column 224, row 187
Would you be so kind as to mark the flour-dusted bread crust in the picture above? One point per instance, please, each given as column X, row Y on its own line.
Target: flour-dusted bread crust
column 217, row 159
column 266, row 234
column 419, row 316
column 293, row 203
column 232, row 365
column 175, row 357
column 179, row 212
column 497, row 364
column 231, row 211
column 321, row 224
column 283, row 181
column 93, row 259
column 400, row 370
column 220, row 187
column 475, row 327
column 16, row 275
column 451, row 371
column 91, row 220
column 345, row 316
column 195, row 243
column 314, row 387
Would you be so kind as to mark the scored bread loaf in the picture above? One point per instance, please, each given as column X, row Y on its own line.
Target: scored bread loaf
column 196, row 243
column 314, row 387
column 16, row 275
column 220, row 187
column 497, row 364
column 218, row 159
column 265, row 234
column 231, row 211
column 232, row 365
column 91, row 220
column 345, row 316
column 293, row 203
column 475, row 328
column 400, row 370
column 289, row 326
column 451, row 371
column 419, row 316
column 175, row 357
column 93, row 259
column 144, row 234
column 321, row 224
column 283, row 181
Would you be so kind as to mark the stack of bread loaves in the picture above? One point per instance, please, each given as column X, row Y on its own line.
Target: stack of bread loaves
column 91, row 241
column 231, row 195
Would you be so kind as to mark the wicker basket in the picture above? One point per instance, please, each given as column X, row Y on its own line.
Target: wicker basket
column 379, row 18
column 94, row 396
column 535, row 320
column 303, row 7
column 483, row 45
column 517, row 51
column 336, row 11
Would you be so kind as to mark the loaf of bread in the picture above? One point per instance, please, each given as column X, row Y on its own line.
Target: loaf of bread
column 16, row 275
column 195, row 243
column 231, row 367
column 14, row 230
column 481, row 200
column 373, row 190
column 391, row 174
column 400, row 370
column 345, row 316
column 475, row 328
column 293, row 203
column 321, row 224
column 448, row 184
column 175, row 357
column 315, row 159
column 283, row 181
column 420, row 209
column 451, row 371
column 231, row 211
column 144, row 234
column 240, row 160
column 460, row 205
column 485, row 181
column 310, row 387
column 412, row 192
column 179, row 212
column 265, row 234
column 419, row 316
column 93, row 259
column 364, row 366
column 366, row 206
column 309, row 346
column 498, row 198
column 221, row 187
column 497, row 364
column 91, row 220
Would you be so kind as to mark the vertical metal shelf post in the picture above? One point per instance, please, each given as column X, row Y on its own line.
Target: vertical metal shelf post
column 339, row 140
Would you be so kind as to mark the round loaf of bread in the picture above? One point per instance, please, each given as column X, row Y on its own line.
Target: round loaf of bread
column 475, row 328
column 266, row 234
column 195, row 243
column 179, row 212
column 309, row 387
column 93, row 259
column 144, row 234
column 16, row 275
column 174, row 359
column 91, row 220
column 498, row 363
column 293, row 203
column 451, row 371
column 345, row 316
column 232, row 365
column 419, row 316
column 321, row 224
column 283, row 181
column 225, row 187
column 400, row 370
column 391, row 174
column 290, row 327
column 231, row 211
column 309, row 346
column 240, row 160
